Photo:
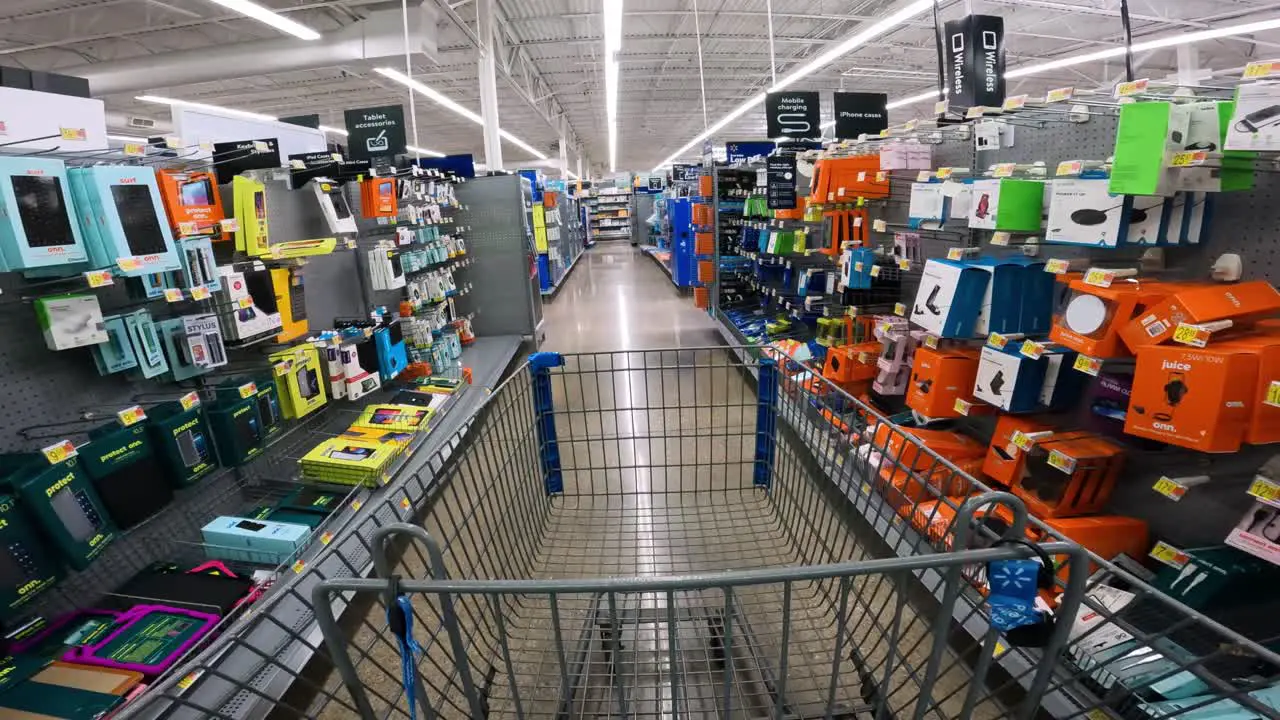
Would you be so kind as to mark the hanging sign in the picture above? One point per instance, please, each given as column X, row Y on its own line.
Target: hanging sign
column 859, row 113
column 684, row 173
column 375, row 132
column 233, row 158
column 975, row 61
column 780, row 182
column 793, row 115
column 745, row 151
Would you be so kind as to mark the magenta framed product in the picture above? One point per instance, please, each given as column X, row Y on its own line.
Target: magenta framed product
column 184, row 628
column 58, row 624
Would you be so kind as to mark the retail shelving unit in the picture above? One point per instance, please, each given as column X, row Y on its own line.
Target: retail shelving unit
column 610, row 214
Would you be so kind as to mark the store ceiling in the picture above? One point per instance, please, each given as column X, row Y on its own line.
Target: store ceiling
column 559, row 44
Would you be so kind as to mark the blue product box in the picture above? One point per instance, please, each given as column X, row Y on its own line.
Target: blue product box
column 950, row 298
column 1009, row 380
column 36, row 198
column 1063, row 385
column 392, row 357
column 253, row 541
column 131, row 220
column 1001, row 309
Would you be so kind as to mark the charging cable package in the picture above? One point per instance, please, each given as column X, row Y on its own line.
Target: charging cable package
column 1255, row 120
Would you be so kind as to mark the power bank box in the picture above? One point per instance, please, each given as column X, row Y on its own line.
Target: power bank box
column 1006, row 204
column 132, row 225
column 1148, row 135
column 1207, row 132
column 38, row 227
column 66, row 505
column 1083, row 211
column 71, row 321
column 253, row 541
column 1009, row 380
column 1242, row 303
column 1201, row 399
column 1255, row 120
column 116, row 354
column 128, row 476
column 183, row 441
column 949, row 299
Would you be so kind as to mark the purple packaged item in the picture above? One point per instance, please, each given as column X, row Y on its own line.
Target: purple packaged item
column 146, row 639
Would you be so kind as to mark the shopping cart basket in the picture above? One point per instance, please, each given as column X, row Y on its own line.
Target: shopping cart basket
column 640, row 534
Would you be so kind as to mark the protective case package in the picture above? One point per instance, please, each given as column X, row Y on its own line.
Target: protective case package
column 333, row 203
column 61, row 498
column 349, row 461
column 126, row 472
column 237, row 429
column 148, row 639
column 27, row 567
column 184, row 442
column 132, row 225
column 193, row 202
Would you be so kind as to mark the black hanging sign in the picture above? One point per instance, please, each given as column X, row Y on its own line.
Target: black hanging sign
column 975, row 61
column 305, row 166
column 860, row 113
column 232, row 158
column 793, row 115
column 307, row 121
column 780, row 182
column 684, row 173
column 375, row 132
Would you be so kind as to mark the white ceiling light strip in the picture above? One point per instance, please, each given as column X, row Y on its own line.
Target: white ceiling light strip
column 270, row 17
column 449, row 104
column 334, row 130
column 612, row 46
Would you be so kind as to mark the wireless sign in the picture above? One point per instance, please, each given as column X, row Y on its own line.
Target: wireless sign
column 376, row 132
column 975, row 61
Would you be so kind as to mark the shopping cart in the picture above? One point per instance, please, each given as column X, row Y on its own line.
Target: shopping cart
column 680, row 533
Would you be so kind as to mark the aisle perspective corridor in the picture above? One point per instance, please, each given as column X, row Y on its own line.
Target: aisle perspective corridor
column 617, row 298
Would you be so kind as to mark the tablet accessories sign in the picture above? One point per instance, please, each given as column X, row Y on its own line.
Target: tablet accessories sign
column 375, row 132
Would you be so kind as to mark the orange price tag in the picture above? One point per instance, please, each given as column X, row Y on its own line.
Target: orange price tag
column 247, row 390
column 99, row 278
column 189, row 400
column 58, row 452
column 132, row 415
column 200, row 292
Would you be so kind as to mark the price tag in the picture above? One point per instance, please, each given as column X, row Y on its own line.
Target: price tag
column 974, row 112
column 879, row 226
column 200, row 292
column 206, row 146
column 1170, row 489
column 904, row 264
column 298, row 567
column 831, row 197
column 1135, row 87
column 1017, row 102
column 1032, row 349
column 134, row 150
column 349, row 243
column 1059, row 95
column 1260, row 69
column 857, row 222
column 99, row 278
column 862, row 176
column 1265, row 490
column 74, row 134
column 941, row 107
column 1088, row 365
column 337, row 157
column 955, row 253
column 129, row 264
column 247, row 390
column 1099, row 277
column 865, row 488
column 884, row 132
column 863, row 358
column 881, row 177
column 1169, row 555
column 900, row 310
column 132, row 415
column 1062, row 462
column 1070, row 167
column 229, row 224
column 875, row 271
column 405, row 504
column 190, row 679
column 840, row 192
column 1022, row 441
column 857, row 267
column 244, row 303
column 356, row 505
column 944, row 173
column 1273, row 394
column 282, row 368
column 997, row 341
column 326, row 537
column 261, row 147
column 173, row 142
column 923, row 176
column 172, row 295
column 187, row 228
column 189, row 400
column 1057, row 266
column 1192, row 335
column 1001, row 238
column 931, row 342
column 963, row 407
column 1189, row 158
column 1003, row 170
column 58, row 452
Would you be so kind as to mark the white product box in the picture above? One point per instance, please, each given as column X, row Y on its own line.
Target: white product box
column 1255, row 125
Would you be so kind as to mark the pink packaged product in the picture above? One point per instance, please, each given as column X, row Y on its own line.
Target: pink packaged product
column 146, row 639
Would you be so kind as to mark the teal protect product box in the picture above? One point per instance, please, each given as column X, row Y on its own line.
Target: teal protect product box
column 33, row 568
column 38, row 226
column 1006, row 204
column 253, row 541
column 132, row 225
column 65, row 504
column 116, row 354
column 147, row 345
column 184, row 442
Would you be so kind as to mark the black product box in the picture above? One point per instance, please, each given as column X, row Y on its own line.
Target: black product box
column 59, row 84
column 15, row 78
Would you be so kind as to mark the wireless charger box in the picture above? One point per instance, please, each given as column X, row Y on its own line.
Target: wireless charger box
column 1009, row 380
column 949, row 299
column 1255, row 123
column 1082, row 211
column 1200, row 399
column 38, row 227
column 1091, row 319
column 1241, row 303
column 1148, row 135
column 1006, row 204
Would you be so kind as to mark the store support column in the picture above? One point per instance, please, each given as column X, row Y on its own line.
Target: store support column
column 489, row 48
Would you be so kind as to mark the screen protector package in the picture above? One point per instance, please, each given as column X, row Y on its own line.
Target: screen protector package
column 183, row 441
column 238, row 430
column 349, row 461
column 65, row 503
column 131, row 220
column 38, row 227
column 126, row 472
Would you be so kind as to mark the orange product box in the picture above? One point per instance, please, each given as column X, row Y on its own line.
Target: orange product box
column 1090, row 321
column 1201, row 399
column 378, row 197
column 900, row 449
column 706, row 271
column 192, row 197
column 702, row 214
column 704, row 243
column 706, row 186
column 1080, row 483
column 796, row 213
column 1104, row 535
column 1241, row 303
column 1005, row 461
column 549, row 199
column 844, row 364
column 701, row 298
column 904, row 490
column 1264, row 422
column 847, row 179
column 939, row 378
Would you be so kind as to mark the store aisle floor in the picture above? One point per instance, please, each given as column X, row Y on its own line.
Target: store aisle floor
column 619, row 299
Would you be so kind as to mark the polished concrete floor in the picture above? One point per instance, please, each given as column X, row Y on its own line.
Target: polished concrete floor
column 617, row 298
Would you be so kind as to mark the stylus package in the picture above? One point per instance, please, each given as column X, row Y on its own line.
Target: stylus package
column 1007, row 204
column 1255, row 121
column 70, row 321
column 1090, row 320
column 248, row 308
column 147, row 639
column 302, row 387
column 126, row 472
column 333, row 203
column 1082, row 211
column 38, row 219
column 193, row 202
column 27, row 565
column 132, row 225
column 349, row 461
column 61, row 498
column 194, row 345
column 1207, row 132
column 237, row 430
column 1201, row 399
column 116, row 354
column 1009, row 380
column 148, row 348
column 183, row 442
column 949, row 299
column 1148, row 135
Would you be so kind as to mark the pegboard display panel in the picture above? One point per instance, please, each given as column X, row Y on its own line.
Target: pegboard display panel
column 505, row 295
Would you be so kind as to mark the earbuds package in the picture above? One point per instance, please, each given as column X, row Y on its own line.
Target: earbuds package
column 1255, row 121
column 1083, row 211
column 1148, row 135
column 1006, row 204
column 1201, row 399
column 949, row 299
column 1009, row 380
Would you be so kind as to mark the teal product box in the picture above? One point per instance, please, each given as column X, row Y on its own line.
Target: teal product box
column 254, row 541
column 199, row 268
column 237, row 431
column 1007, row 204
column 1226, row 709
column 194, row 345
column 1009, row 380
column 1216, row 577
column 66, row 505
column 33, row 569
column 131, row 220
column 150, row 286
column 950, row 298
column 87, row 219
column 183, row 441
column 38, row 218
column 147, row 346
column 116, row 354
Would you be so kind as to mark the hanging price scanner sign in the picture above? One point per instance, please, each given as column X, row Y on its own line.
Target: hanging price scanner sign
column 1017, row 102
column 58, row 452
column 976, row 111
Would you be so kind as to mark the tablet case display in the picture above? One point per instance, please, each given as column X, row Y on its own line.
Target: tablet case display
column 148, row 348
column 291, row 302
column 148, row 639
column 131, row 220
column 194, row 203
column 116, row 354
column 333, row 203
column 26, row 566
column 128, row 476
column 237, row 431
column 183, row 441
column 209, row 592
column 38, row 227
column 248, row 298
column 69, row 690
column 65, row 503
column 194, row 345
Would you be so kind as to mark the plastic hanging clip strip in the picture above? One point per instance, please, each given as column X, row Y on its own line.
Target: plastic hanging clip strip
column 400, row 621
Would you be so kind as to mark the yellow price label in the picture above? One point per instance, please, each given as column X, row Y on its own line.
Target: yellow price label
column 1169, row 488
column 1088, row 365
column 1265, row 490
column 931, row 342
column 1070, row 167
column 1099, row 277
column 863, row 358
column 73, row 134
column 405, row 504
column 135, row 149
column 244, row 303
column 875, row 271
column 911, row 125
column 200, row 292
column 99, row 278
column 1062, row 461
column 941, row 107
column 189, row 400
column 173, row 142
column 260, row 147
column 900, row 310
column 1192, row 335
column 1169, row 555
column 1000, row 649
column 865, row 488
column 963, row 407
column 1058, row 95
column 188, row 228
column 59, row 451
column 884, row 132
column 298, row 567
column 1001, row 238
column 229, row 225
column 1022, row 441
column 1057, row 266
column 1003, row 170
column 1017, row 102
column 944, row 173
column 356, row 505
column 955, row 253
column 129, row 264
column 857, row 267
column 326, row 537
column 1189, row 158
column 861, row 201
column 904, row 264
column 881, row 177
column 976, row 111
column 282, row 367
column 247, row 390
column 349, row 243
column 172, row 295
column 924, row 176
column 1260, row 69
column 879, row 226
column 190, row 679
column 1032, row 349
column 1134, row 87
column 997, row 341
column 337, row 157
column 1272, row 397
column 131, row 415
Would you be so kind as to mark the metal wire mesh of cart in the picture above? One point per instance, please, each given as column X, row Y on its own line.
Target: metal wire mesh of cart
column 630, row 535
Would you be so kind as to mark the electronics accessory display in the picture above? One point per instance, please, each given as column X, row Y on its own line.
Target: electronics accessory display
column 38, row 227
column 199, row 268
column 1202, row 399
column 1009, row 380
column 1082, row 211
column 1091, row 319
column 26, row 566
column 1084, row 487
column 349, row 461
column 1008, row 204
column 254, row 541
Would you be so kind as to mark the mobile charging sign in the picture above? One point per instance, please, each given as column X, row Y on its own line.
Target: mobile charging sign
column 793, row 115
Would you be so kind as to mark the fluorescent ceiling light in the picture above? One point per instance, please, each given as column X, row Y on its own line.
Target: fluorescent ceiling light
column 612, row 45
column 270, row 17
column 443, row 100
column 204, row 106
column 852, row 43
column 337, row 131
column 424, row 151
column 127, row 138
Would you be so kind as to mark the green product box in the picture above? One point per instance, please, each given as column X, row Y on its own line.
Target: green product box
column 1148, row 136
column 31, row 569
column 183, row 441
column 126, row 472
column 1007, row 204
column 62, row 500
column 237, row 431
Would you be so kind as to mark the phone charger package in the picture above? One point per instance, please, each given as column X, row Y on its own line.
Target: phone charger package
column 1082, row 211
column 950, row 298
column 1147, row 136
column 928, row 205
column 71, row 321
column 1009, row 380
column 1242, row 303
column 1001, row 310
column 1196, row 398
column 1207, row 132
column 1006, row 204
column 1255, row 122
